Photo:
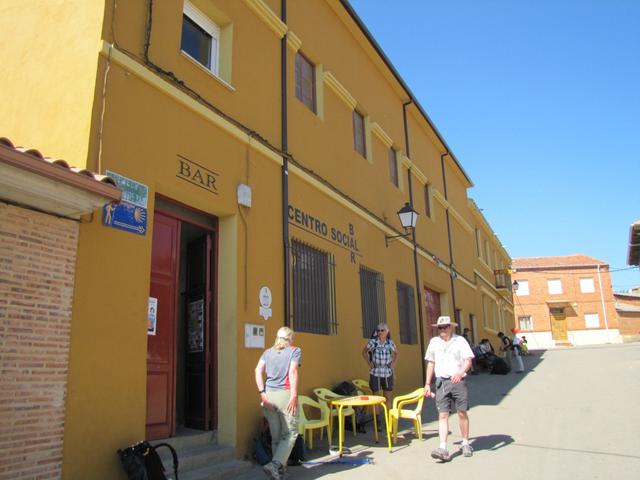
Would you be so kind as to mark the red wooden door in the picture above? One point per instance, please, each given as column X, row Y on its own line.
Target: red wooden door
column 161, row 346
column 432, row 310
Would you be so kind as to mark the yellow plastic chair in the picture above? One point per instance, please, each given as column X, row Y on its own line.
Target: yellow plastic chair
column 325, row 395
column 362, row 385
column 398, row 411
column 308, row 425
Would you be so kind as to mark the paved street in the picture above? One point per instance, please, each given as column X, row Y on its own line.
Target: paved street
column 563, row 419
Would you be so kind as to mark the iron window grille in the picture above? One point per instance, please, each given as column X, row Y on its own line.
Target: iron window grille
column 374, row 310
column 407, row 313
column 314, row 292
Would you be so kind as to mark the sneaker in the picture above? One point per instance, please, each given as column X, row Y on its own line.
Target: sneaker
column 441, row 454
column 467, row 450
column 272, row 471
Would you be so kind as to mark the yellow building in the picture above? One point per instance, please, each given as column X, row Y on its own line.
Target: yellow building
column 252, row 199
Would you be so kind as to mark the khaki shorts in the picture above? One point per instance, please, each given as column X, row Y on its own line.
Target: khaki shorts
column 448, row 393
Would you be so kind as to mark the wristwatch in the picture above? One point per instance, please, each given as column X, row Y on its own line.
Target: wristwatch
column 262, row 391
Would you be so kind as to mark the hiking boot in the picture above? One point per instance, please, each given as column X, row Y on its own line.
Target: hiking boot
column 284, row 474
column 272, row 471
column 467, row 450
column 441, row 454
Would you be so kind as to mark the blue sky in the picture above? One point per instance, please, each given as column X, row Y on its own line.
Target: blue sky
column 540, row 102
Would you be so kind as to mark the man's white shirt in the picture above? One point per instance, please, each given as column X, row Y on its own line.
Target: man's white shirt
column 448, row 356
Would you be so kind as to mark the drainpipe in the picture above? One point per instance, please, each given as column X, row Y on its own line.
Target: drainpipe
column 604, row 308
column 415, row 246
column 285, row 168
column 446, row 197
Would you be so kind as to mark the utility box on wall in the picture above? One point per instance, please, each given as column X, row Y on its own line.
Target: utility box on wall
column 253, row 336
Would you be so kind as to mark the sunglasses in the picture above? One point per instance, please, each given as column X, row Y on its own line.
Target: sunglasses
column 443, row 327
column 383, row 330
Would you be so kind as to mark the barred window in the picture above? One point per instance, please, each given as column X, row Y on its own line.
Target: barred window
column 374, row 310
column 407, row 313
column 314, row 292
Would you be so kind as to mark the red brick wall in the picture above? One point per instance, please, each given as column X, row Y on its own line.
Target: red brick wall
column 535, row 304
column 37, row 269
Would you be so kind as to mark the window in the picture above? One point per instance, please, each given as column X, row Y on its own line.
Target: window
column 314, row 293
column 374, row 310
column 523, row 288
column 200, row 37
column 359, row 134
column 487, row 253
column 554, row 286
column 591, row 320
column 427, row 200
column 525, row 322
column 393, row 166
column 305, row 82
column 586, row 285
column 407, row 313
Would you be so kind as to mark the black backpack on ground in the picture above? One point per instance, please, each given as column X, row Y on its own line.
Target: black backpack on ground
column 263, row 454
column 499, row 367
column 142, row 462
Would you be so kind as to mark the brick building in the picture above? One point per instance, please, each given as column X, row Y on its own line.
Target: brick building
column 628, row 310
column 565, row 300
column 41, row 203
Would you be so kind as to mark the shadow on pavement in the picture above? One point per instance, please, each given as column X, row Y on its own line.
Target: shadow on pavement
column 486, row 389
column 490, row 442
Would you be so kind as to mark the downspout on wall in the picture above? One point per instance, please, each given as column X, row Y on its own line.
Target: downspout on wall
column 415, row 245
column 285, row 167
column 451, row 262
column 604, row 306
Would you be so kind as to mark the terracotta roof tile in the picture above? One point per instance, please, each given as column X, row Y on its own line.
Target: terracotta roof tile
column 59, row 162
column 575, row 260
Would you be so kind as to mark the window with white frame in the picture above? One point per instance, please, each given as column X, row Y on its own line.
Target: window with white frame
column 587, row 285
column 200, row 37
column 555, row 286
column 591, row 320
column 525, row 322
column 523, row 288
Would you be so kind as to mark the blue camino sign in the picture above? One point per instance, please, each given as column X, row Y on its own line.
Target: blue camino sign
column 130, row 214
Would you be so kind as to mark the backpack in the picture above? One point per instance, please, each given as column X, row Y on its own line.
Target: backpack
column 346, row 389
column 499, row 367
column 142, row 462
column 263, row 454
column 298, row 453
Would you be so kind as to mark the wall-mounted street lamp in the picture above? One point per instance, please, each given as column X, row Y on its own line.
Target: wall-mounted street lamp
column 515, row 285
column 408, row 218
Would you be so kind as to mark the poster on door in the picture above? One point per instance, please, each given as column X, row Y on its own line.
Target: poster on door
column 195, row 322
column 152, row 316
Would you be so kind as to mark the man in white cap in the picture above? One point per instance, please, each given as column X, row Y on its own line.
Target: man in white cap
column 449, row 357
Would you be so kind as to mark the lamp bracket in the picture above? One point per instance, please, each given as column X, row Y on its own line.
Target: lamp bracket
column 390, row 238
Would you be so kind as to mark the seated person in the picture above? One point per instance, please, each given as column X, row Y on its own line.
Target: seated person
column 483, row 354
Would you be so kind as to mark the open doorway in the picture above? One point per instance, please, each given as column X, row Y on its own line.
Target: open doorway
column 181, row 351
